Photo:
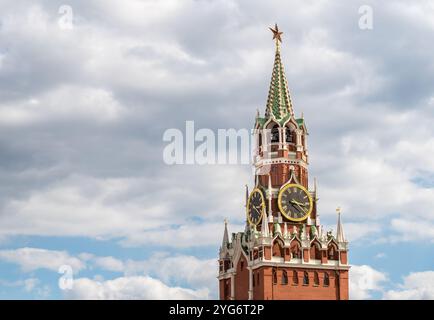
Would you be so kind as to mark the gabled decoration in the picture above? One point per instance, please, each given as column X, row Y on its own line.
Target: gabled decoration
column 313, row 232
column 294, row 231
column 277, row 229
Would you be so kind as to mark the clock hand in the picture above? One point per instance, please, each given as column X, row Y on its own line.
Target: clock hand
column 297, row 203
column 256, row 210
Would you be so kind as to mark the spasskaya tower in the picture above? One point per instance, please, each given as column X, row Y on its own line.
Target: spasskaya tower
column 283, row 252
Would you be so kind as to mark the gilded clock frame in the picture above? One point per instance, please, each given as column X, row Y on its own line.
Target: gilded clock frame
column 279, row 202
column 262, row 207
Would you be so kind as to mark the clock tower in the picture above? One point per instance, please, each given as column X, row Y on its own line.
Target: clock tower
column 283, row 253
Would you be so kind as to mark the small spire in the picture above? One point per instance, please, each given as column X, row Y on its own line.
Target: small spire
column 225, row 241
column 285, row 230
column 264, row 228
column 303, row 235
column 340, row 236
column 277, row 229
column 270, row 213
column 247, row 195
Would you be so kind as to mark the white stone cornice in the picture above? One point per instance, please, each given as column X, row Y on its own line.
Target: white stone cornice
column 265, row 162
column 304, row 265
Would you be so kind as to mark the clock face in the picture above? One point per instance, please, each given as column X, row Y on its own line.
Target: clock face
column 255, row 206
column 295, row 202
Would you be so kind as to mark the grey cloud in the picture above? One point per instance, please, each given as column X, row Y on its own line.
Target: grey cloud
column 210, row 62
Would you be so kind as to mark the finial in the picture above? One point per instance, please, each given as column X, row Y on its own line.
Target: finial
column 276, row 34
column 226, row 221
column 340, row 230
column 247, row 195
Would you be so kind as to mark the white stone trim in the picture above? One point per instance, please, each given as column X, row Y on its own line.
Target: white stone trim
column 299, row 265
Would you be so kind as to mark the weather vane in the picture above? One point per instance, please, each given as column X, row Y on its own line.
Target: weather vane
column 276, row 34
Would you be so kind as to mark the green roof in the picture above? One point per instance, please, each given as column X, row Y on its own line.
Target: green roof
column 279, row 105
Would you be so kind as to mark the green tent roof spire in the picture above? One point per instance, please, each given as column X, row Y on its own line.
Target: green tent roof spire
column 279, row 104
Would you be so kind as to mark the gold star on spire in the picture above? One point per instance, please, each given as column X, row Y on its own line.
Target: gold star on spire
column 276, row 33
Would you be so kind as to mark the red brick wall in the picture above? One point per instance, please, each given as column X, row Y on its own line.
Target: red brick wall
column 242, row 280
column 266, row 290
column 344, row 288
column 258, row 289
column 222, row 284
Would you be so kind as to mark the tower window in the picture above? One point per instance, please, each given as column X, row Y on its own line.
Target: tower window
column 332, row 253
column 306, row 279
column 277, row 249
column 257, row 278
column 288, row 135
column 284, row 277
column 274, row 277
column 315, row 252
column 226, row 290
column 294, row 278
column 315, row 279
column 295, row 251
column 326, row 280
column 242, row 265
column 275, row 134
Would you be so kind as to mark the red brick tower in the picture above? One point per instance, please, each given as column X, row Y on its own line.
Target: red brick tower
column 283, row 252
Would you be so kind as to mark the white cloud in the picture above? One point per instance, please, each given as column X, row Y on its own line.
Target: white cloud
column 417, row 285
column 30, row 284
column 380, row 255
column 109, row 263
column 183, row 236
column 178, row 269
column 30, row 259
column 412, row 230
column 138, row 287
column 182, row 270
column 364, row 280
column 360, row 230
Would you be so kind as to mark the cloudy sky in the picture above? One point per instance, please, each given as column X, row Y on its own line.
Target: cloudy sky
column 84, row 104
